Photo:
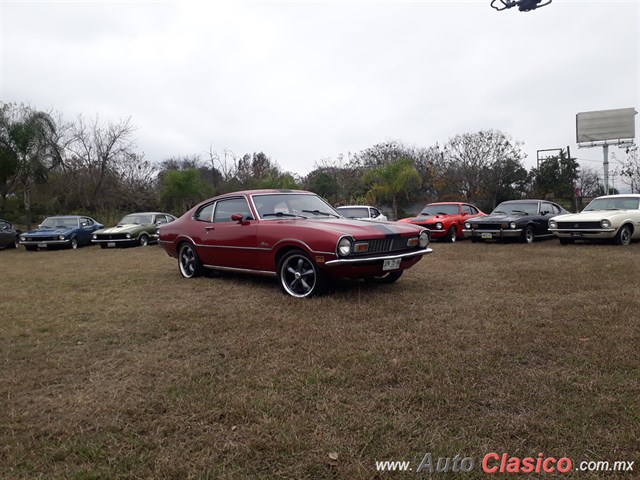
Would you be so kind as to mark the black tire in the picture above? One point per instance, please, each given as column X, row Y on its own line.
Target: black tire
column 452, row 234
column 623, row 237
column 188, row 261
column 299, row 276
column 30, row 248
column 528, row 235
column 387, row 278
column 73, row 243
column 143, row 240
column 566, row 241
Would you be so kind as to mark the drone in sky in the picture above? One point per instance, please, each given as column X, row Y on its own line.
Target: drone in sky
column 523, row 5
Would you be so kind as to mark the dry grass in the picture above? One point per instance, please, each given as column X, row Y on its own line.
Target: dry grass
column 113, row 366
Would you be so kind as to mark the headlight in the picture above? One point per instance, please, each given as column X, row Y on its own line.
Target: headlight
column 344, row 246
column 605, row 223
column 23, row 238
column 553, row 224
column 513, row 225
column 128, row 235
column 423, row 239
column 95, row 237
column 61, row 237
column 467, row 225
column 438, row 226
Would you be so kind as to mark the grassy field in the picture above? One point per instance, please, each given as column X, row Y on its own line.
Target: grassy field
column 113, row 366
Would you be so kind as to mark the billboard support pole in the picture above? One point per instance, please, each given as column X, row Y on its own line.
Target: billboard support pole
column 605, row 167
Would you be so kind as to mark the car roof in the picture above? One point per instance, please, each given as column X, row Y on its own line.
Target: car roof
column 527, row 200
column 448, row 203
column 618, row 195
column 356, row 206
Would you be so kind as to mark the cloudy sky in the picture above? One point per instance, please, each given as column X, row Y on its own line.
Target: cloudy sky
column 309, row 80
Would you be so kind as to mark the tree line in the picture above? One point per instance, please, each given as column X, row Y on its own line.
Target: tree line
column 91, row 166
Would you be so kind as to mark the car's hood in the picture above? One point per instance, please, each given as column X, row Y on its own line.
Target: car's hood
column 591, row 216
column 423, row 218
column 127, row 228
column 49, row 232
column 497, row 218
column 359, row 229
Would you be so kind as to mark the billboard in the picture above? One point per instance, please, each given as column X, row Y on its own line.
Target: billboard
column 603, row 125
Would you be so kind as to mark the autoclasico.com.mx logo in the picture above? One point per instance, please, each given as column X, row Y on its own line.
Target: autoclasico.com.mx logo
column 502, row 463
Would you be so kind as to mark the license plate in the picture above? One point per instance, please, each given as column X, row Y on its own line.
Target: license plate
column 42, row 245
column 391, row 264
column 111, row 244
column 576, row 234
column 487, row 235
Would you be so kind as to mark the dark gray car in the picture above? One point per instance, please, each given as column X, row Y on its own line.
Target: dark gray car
column 9, row 235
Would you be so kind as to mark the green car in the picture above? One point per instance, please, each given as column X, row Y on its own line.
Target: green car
column 134, row 229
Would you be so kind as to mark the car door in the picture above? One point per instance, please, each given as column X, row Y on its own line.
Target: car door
column 230, row 243
column 549, row 210
column 6, row 234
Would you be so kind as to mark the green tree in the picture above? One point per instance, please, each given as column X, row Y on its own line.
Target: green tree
column 28, row 150
column 392, row 182
column 182, row 189
column 556, row 176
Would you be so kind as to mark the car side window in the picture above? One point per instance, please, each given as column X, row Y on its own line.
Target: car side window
column 4, row 226
column 467, row 209
column 161, row 219
column 205, row 214
column 375, row 213
column 546, row 207
column 225, row 208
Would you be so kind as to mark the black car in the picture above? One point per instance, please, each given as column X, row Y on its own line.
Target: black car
column 9, row 236
column 523, row 220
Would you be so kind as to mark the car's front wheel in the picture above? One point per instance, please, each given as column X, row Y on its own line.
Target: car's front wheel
column 623, row 237
column 189, row 262
column 299, row 276
column 528, row 236
column 143, row 240
column 73, row 243
column 452, row 235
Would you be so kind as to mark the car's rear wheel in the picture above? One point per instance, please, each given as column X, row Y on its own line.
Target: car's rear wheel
column 528, row 236
column 143, row 240
column 73, row 243
column 387, row 278
column 189, row 262
column 299, row 276
column 623, row 237
column 16, row 242
column 452, row 235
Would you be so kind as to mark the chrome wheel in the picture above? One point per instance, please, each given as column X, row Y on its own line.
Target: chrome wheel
column 189, row 262
column 452, row 236
column 298, row 275
column 528, row 236
column 624, row 236
column 143, row 240
column 16, row 242
column 74, row 243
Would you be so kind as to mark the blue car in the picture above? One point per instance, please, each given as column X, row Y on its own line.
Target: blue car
column 70, row 231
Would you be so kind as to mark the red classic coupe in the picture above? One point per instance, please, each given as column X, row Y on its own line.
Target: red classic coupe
column 445, row 220
column 293, row 235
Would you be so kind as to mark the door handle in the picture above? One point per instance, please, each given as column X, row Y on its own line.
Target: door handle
column 209, row 228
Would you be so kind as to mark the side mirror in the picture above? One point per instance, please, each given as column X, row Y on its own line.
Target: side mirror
column 237, row 217
column 464, row 214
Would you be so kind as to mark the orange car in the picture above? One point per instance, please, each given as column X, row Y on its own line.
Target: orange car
column 445, row 220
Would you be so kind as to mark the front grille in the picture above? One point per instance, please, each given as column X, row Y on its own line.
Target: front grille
column 491, row 226
column 112, row 236
column 580, row 225
column 42, row 239
column 384, row 245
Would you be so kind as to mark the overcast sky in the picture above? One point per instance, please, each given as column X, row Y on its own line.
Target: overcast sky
column 308, row 80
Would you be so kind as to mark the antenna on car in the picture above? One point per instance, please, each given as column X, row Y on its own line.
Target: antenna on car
column 523, row 5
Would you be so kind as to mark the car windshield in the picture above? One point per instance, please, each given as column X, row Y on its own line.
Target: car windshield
column 135, row 219
column 305, row 205
column 617, row 203
column 59, row 222
column 517, row 208
column 440, row 210
column 354, row 212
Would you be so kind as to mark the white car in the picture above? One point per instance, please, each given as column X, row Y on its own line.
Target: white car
column 611, row 217
column 362, row 212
